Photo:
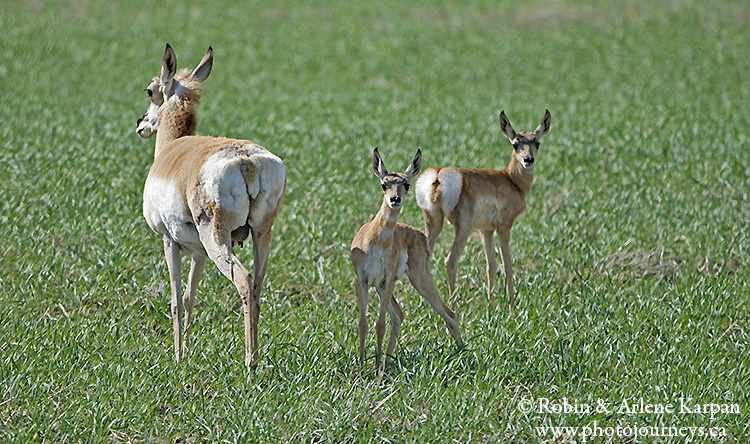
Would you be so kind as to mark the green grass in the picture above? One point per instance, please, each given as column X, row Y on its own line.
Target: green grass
column 630, row 261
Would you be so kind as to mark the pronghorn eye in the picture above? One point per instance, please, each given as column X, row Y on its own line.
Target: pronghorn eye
column 407, row 185
column 382, row 185
column 149, row 92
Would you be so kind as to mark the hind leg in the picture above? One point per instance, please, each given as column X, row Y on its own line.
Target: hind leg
column 397, row 318
column 421, row 278
column 433, row 225
column 219, row 248
column 261, row 252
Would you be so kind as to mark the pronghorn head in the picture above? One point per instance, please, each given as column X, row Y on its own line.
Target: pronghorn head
column 148, row 124
column 170, row 84
column 395, row 185
column 525, row 143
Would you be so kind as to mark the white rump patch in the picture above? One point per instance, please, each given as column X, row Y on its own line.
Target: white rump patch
column 423, row 189
column 450, row 188
column 222, row 181
column 270, row 185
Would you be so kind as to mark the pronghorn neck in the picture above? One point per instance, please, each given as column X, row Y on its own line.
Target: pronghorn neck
column 386, row 219
column 177, row 118
column 520, row 176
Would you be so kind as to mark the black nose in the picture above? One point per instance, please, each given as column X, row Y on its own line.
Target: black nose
column 140, row 119
column 395, row 199
column 528, row 159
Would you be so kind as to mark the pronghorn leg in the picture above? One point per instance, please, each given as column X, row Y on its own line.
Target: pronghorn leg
column 386, row 294
column 451, row 262
column 219, row 249
column 360, row 288
column 172, row 253
column 197, row 265
column 422, row 280
column 489, row 252
column 504, row 236
column 397, row 318
column 261, row 251
column 433, row 225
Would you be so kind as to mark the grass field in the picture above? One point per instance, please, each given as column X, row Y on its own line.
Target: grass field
column 630, row 261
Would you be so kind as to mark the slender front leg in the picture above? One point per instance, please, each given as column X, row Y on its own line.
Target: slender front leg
column 386, row 294
column 172, row 253
column 197, row 265
column 504, row 236
column 489, row 252
column 360, row 288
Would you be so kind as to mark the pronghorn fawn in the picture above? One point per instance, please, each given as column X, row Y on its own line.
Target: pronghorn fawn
column 383, row 250
column 205, row 194
column 486, row 200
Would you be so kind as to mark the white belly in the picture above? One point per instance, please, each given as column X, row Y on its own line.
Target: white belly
column 166, row 213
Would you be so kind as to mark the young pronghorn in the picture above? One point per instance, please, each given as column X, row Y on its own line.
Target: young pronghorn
column 383, row 250
column 486, row 200
column 203, row 194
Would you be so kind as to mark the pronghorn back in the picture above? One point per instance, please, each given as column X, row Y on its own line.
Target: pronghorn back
column 207, row 173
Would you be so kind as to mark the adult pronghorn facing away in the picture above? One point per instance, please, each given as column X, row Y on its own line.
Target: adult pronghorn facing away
column 486, row 200
column 383, row 250
column 203, row 194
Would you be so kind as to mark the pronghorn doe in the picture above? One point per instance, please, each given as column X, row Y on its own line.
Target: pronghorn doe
column 203, row 194
column 383, row 250
column 486, row 200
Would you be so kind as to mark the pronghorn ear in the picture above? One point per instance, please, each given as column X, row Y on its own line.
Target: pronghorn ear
column 203, row 69
column 377, row 164
column 168, row 67
column 416, row 164
column 544, row 126
column 505, row 127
